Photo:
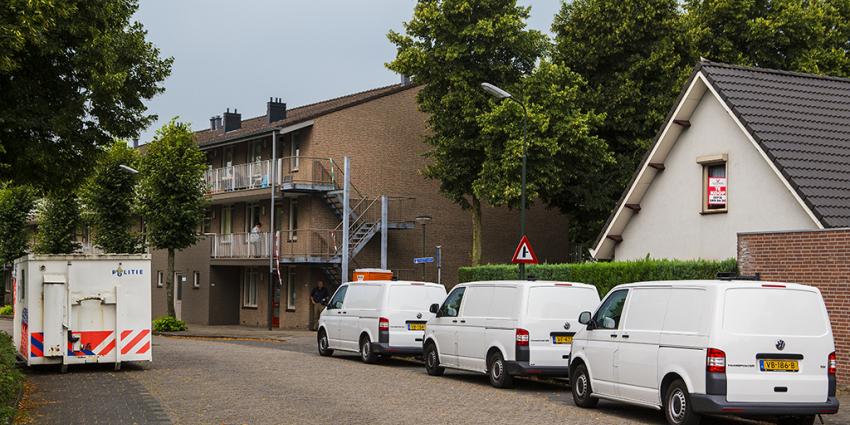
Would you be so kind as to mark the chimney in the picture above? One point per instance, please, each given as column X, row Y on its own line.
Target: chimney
column 232, row 120
column 405, row 80
column 213, row 120
column 275, row 110
column 135, row 143
column 218, row 125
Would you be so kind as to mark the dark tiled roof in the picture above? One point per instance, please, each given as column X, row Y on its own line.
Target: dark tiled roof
column 257, row 125
column 802, row 122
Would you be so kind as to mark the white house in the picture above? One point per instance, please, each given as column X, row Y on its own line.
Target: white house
column 744, row 150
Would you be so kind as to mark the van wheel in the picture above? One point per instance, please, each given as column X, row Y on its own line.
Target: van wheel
column 677, row 405
column 498, row 373
column 796, row 420
column 432, row 361
column 580, row 386
column 322, row 343
column 366, row 353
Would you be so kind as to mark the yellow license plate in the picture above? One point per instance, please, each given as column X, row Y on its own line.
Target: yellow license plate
column 416, row 326
column 779, row 365
column 563, row 339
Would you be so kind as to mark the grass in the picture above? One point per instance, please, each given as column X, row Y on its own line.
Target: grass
column 11, row 379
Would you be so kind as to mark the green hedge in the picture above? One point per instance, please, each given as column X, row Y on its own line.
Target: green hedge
column 11, row 379
column 604, row 275
column 168, row 324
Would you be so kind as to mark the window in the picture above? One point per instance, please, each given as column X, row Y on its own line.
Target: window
column 338, row 298
column 294, row 152
column 249, row 289
column 196, row 280
column 253, row 212
column 226, row 225
column 451, row 306
column 608, row 315
column 209, row 215
column 256, row 151
column 292, row 235
column 23, row 290
column 290, row 289
column 714, row 182
column 159, row 279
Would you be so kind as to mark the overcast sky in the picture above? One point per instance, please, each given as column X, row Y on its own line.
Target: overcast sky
column 236, row 54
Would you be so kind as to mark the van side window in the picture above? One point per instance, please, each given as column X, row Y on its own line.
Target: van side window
column 451, row 306
column 339, row 297
column 608, row 315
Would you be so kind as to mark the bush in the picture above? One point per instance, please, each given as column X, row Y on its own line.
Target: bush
column 605, row 275
column 168, row 324
column 6, row 310
column 11, row 379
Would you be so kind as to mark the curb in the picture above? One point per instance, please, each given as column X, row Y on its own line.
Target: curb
column 219, row 337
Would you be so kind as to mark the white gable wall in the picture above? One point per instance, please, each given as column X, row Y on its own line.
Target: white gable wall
column 670, row 225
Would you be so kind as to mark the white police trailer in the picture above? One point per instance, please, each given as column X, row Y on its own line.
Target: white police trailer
column 74, row 309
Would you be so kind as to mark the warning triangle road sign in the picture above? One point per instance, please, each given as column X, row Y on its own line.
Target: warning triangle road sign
column 524, row 253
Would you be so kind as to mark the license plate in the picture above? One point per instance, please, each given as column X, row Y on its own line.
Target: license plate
column 562, row 339
column 416, row 326
column 779, row 365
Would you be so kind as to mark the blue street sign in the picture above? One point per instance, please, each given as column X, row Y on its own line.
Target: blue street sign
column 423, row 260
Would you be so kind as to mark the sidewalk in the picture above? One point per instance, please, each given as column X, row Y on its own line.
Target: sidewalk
column 238, row 332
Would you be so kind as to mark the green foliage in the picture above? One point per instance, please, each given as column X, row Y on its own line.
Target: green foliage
column 6, row 310
column 74, row 76
column 604, row 275
column 11, row 379
column 168, row 324
column 108, row 197
column 15, row 206
column 58, row 218
column 171, row 188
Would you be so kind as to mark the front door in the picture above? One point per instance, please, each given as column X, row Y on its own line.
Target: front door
column 603, row 343
column 332, row 316
column 179, row 279
column 445, row 327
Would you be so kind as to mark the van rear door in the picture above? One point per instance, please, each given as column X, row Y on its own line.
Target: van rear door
column 407, row 310
column 777, row 341
column 551, row 319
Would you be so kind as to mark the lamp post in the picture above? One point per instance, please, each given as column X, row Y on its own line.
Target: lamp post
column 423, row 220
column 501, row 94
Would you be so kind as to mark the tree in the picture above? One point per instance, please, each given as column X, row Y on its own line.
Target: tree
column 74, row 76
column 108, row 197
column 16, row 203
column 793, row 35
column 58, row 219
column 172, row 193
column 634, row 59
column 565, row 157
column 451, row 47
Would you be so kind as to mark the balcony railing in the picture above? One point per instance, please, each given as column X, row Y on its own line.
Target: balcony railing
column 313, row 244
column 252, row 175
column 299, row 171
column 241, row 245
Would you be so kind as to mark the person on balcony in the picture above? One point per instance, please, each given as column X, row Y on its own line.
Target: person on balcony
column 255, row 239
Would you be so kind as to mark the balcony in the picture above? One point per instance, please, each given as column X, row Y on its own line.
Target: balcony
column 296, row 174
column 300, row 246
column 240, row 245
column 252, row 175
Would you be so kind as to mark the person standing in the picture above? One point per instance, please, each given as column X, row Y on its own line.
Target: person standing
column 255, row 239
column 319, row 297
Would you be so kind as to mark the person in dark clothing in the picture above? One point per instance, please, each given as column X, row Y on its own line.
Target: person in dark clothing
column 319, row 297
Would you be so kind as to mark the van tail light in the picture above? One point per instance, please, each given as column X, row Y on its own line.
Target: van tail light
column 521, row 337
column 715, row 361
column 383, row 324
column 832, row 364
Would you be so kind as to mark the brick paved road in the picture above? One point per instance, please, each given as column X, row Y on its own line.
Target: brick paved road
column 216, row 381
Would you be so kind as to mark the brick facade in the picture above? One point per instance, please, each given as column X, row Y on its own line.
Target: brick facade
column 817, row 258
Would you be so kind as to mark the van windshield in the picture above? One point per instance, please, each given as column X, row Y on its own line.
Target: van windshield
column 773, row 311
column 560, row 302
column 414, row 297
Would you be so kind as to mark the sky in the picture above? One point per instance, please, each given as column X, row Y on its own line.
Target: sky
column 237, row 54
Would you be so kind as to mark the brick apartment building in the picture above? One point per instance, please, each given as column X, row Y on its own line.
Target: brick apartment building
column 224, row 278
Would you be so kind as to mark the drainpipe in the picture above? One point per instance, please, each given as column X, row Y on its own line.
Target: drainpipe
column 272, row 179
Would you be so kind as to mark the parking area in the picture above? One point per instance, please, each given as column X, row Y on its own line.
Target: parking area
column 195, row 380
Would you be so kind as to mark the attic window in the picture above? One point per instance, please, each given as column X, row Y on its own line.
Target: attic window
column 714, row 183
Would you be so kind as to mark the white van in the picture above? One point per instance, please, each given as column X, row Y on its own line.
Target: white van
column 709, row 347
column 377, row 318
column 506, row 328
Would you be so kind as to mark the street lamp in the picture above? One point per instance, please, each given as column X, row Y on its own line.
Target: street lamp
column 128, row 169
column 423, row 220
column 501, row 94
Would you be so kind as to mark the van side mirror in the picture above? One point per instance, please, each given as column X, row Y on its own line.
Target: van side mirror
column 584, row 317
column 434, row 308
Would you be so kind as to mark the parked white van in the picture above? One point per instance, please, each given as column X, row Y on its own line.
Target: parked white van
column 506, row 328
column 377, row 318
column 745, row 348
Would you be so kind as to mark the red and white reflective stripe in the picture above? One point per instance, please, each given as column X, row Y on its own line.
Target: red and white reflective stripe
column 136, row 341
column 107, row 345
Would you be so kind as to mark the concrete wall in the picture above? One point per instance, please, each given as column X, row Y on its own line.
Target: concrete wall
column 817, row 258
column 670, row 223
column 196, row 301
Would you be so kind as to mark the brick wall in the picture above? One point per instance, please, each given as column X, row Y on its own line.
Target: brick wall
column 817, row 258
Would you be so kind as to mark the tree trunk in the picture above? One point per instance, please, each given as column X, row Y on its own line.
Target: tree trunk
column 476, row 231
column 169, row 284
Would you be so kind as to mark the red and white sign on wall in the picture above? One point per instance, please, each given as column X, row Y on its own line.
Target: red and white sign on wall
column 717, row 192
